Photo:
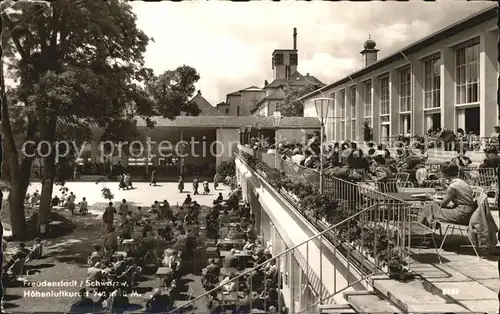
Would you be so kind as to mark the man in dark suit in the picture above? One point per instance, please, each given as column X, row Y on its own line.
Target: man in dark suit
column 211, row 273
column 492, row 159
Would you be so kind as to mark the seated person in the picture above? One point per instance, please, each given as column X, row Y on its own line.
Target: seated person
column 138, row 215
column 158, row 303
column 181, row 241
column 256, row 279
column 127, row 229
column 174, row 261
column 236, row 234
column 55, row 201
column 248, row 302
column 36, row 250
column 231, row 261
column 457, row 206
column 228, row 286
column 22, row 248
column 95, row 256
column 211, row 273
column 120, row 265
column 461, row 160
column 84, row 304
column 188, row 200
column 219, row 198
column 167, row 212
column 95, row 273
column 249, row 246
column 224, row 218
column 117, row 301
column 15, row 266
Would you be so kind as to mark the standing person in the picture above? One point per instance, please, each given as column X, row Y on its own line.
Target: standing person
column 180, row 186
column 195, row 186
column 109, row 215
column 84, row 209
column 153, row 177
column 124, row 210
column 216, row 181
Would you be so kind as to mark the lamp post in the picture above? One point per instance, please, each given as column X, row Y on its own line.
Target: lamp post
column 322, row 106
column 276, row 124
column 259, row 131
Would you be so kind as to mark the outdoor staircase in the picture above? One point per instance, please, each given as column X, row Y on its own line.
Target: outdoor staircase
column 391, row 296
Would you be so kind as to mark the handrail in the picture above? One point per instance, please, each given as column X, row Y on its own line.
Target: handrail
column 235, row 279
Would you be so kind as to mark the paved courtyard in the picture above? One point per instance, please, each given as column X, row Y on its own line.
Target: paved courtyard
column 66, row 257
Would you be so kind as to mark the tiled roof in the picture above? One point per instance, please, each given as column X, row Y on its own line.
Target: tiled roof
column 206, row 108
column 236, row 93
column 232, row 122
column 276, row 95
column 296, row 79
column 251, row 88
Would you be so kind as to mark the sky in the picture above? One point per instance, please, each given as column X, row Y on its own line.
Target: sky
column 230, row 44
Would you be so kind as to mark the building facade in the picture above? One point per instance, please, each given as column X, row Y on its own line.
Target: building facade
column 265, row 101
column 446, row 80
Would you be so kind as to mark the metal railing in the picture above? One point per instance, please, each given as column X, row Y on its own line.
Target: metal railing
column 374, row 227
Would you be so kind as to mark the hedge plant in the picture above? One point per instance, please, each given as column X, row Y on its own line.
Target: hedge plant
column 313, row 204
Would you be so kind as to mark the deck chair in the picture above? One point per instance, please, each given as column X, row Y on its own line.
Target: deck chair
column 452, row 226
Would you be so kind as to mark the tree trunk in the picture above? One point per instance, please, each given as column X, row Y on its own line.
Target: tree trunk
column 49, row 132
column 16, row 200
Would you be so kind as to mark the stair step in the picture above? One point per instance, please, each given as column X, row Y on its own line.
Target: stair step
column 370, row 302
column 336, row 309
column 416, row 296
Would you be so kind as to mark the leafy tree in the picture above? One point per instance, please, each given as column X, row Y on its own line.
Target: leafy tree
column 226, row 169
column 80, row 64
column 291, row 106
column 172, row 90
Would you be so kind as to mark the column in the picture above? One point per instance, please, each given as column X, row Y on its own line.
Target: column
column 488, row 71
column 395, row 127
column 417, row 96
column 447, row 89
column 376, row 110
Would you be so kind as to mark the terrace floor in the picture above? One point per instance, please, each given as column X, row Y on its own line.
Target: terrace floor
column 471, row 282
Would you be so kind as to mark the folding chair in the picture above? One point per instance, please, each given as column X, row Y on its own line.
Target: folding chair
column 479, row 199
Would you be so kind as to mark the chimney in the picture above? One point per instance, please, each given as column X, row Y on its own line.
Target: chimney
column 294, row 38
column 199, row 92
column 266, row 83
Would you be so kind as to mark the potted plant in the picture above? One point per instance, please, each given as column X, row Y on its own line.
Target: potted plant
column 397, row 266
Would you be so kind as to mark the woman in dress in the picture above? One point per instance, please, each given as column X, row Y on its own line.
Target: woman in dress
column 458, row 204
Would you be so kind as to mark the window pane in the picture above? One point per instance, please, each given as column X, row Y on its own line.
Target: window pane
column 437, row 82
column 436, row 99
column 436, row 66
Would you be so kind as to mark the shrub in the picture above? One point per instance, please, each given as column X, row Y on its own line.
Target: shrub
column 226, row 169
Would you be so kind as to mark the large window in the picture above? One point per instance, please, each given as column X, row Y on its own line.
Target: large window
column 367, row 98
column 405, row 90
column 432, row 83
column 334, row 113
column 467, row 72
column 353, row 130
column 352, row 100
column 342, row 105
column 385, row 106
